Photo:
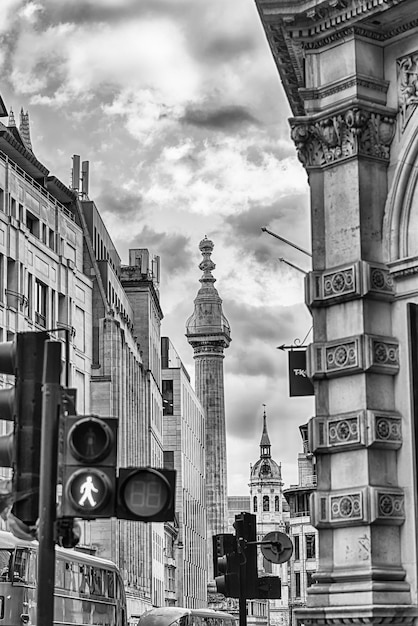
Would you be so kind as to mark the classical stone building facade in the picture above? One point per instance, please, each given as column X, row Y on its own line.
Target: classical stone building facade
column 303, row 563
column 184, row 449
column 350, row 72
column 207, row 330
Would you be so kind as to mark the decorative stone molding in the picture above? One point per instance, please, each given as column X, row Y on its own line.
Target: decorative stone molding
column 345, row 508
column 349, row 431
column 387, row 506
column 407, row 70
column 348, row 282
column 351, row 355
column 367, row 505
column 355, row 132
column 400, row 614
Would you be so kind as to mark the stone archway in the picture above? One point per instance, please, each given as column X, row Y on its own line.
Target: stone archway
column 400, row 225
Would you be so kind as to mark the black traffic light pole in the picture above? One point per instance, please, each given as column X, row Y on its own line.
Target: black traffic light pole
column 51, row 400
column 242, row 594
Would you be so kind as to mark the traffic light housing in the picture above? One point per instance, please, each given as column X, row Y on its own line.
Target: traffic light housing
column 23, row 357
column 226, row 565
column 246, row 536
column 146, row 494
column 89, row 477
column 269, row 587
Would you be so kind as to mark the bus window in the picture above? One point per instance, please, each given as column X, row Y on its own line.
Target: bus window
column 5, row 563
column 33, row 567
column 110, row 584
column 96, row 580
column 84, row 579
column 59, row 574
column 20, row 565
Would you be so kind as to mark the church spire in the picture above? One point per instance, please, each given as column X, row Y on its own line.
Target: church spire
column 24, row 129
column 265, row 445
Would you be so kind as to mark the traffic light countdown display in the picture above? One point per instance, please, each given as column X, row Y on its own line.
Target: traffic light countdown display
column 91, row 488
column 146, row 494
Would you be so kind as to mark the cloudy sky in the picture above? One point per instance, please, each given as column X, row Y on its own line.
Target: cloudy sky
column 178, row 107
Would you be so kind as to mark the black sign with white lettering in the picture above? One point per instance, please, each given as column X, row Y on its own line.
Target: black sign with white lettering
column 299, row 383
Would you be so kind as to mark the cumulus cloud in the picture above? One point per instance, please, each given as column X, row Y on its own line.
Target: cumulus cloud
column 224, row 117
column 174, row 249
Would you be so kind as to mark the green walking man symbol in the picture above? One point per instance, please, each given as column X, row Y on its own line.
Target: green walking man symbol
column 87, row 489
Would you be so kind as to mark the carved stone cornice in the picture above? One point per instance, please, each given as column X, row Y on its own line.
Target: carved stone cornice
column 357, row 131
column 294, row 28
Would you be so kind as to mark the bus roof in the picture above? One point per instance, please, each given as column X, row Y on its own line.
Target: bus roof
column 9, row 541
column 166, row 615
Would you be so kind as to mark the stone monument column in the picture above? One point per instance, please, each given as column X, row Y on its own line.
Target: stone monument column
column 207, row 330
column 338, row 60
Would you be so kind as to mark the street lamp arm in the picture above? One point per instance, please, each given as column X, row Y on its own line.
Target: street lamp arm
column 265, row 230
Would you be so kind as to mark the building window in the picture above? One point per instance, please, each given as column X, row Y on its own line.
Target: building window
column 32, row 224
column 309, row 579
column 167, row 388
column 266, row 503
column 310, row 546
column 41, row 303
column 267, row 566
column 296, row 547
column 277, row 503
column 51, row 239
column 171, row 579
column 255, row 504
column 302, row 505
column 297, row 584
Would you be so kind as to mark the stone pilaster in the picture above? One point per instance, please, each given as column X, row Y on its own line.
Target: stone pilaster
column 341, row 63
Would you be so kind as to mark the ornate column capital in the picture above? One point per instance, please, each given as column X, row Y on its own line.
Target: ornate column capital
column 323, row 140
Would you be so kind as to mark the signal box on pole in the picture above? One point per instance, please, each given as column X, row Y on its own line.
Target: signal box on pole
column 89, row 480
column 226, row 565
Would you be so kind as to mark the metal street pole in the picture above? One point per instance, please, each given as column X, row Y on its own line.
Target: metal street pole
column 242, row 598
column 289, row 243
column 51, row 400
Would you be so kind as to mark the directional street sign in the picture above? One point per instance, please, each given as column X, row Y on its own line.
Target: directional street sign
column 277, row 547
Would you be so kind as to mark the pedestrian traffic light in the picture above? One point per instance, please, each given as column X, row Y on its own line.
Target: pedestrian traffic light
column 23, row 357
column 146, row 494
column 89, row 478
column 226, row 565
column 246, row 537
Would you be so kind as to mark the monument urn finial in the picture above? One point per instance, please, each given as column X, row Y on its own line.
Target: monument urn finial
column 207, row 265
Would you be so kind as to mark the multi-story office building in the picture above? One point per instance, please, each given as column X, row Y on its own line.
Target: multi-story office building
column 304, row 561
column 42, row 283
column 126, row 383
column 184, row 450
column 59, row 270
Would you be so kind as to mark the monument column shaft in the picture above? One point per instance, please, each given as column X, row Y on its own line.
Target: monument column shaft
column 210, row 391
